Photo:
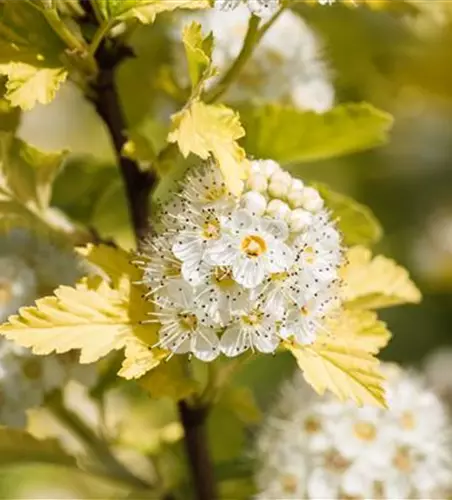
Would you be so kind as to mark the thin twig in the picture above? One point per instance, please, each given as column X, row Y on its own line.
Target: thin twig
column 193, row 421
column 94, row 444
column 253, row 36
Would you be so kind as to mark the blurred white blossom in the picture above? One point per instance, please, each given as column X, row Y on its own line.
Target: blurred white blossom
column 319, row 448
column 30, row 267
column 286, row 64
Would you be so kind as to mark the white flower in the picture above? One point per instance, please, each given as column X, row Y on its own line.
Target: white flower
column 242, row 271
column 200, row 230
column 261, row 8
column 254, row 247
column 252, row 327
column 31, row 266
column 17, row 285
column 281, row 68
column 185, row 327
column 219, row 294
column 303, row 322
column 342, row 451
column 159, row 263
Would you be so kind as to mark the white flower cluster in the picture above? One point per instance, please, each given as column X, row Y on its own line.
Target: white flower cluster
column 31, row 267
column 229, row 274
column 317, row 448
column 285, row 65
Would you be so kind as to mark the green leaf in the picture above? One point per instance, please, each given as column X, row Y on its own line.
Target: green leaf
column 18, row 447
column 26, row 179
column 169, row 379
column 26, row 36
column 357, row 222
column 110, row 216
column 145, row 10
column 198, row 51
column 30, row 55
column 27, row 85
column 288, row 135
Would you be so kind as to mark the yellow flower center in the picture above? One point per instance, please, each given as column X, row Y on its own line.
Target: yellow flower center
column 32, row 369
column 336, row 462
column 253, row 245
column 211, row 229
column 279, row 276
column 312, row 425
column 253, row 318
column 365, row 431
column 222, row 277
column 407, row 421
column 309, row 254
column 6, row 292
column 402, row 460
column 289, row 483
column 188, row 321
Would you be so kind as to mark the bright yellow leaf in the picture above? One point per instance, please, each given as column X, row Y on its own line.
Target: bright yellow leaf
column 140, row 358
column 364, row 329
column 146, row 10
column 95, row 316
column 206, row 130
column 198, row 51
column 28, row 85
column 341, row 360
column 370, row 283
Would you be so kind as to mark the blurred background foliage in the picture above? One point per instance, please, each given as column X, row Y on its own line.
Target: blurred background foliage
column 397, row 58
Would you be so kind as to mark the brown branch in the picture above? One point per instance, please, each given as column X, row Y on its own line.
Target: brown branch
column 138, row 185
column 193, row 420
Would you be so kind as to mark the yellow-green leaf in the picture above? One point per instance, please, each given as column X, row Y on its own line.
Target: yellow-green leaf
column 370, row 283
column 206, row 130
column 95, row 316
column 145, row 10
column 28, row 85
column 198, row 51
column 363, row 327
column 289, row 135
column 169, row 379
column 18, row 447
column 357, row 223
column 140, row 358
column 26, row 180
column 341, row 361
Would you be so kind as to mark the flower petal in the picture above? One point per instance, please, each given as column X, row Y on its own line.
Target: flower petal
column 249, row 272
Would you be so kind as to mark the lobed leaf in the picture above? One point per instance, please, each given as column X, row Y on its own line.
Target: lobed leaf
column 205, row 130
column 198, row 51
column 371, row 283
column 341, row 361
column 289, row 135
column 145, row 10
column 28, row 85
column 356, row 222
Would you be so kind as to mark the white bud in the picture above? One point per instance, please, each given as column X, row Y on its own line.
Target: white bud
column 282, row 178
column 278, row 209
column 299, row 219
column 297, row 185
column 254, row 202
column 269, row 167
column 278, row 189
column 257, row 182
column 296, row 197
column 312, row 201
